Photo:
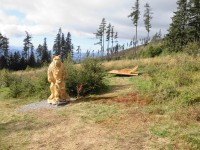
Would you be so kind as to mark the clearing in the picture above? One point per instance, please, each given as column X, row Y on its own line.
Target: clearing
column 118, row 119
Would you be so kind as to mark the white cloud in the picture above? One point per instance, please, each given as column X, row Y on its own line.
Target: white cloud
column 80, row 17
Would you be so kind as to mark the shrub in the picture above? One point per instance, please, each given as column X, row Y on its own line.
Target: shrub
column 87, row 79
column 22, row 87
column 151, row 50
column 25, row 86
column 15, row 88
column 73, row 78
column 6, row 78
column 154, row 51
column 42, row 86
column 192, row 49
column 92, row 76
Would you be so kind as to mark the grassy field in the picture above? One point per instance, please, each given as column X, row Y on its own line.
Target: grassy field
column 159, row 109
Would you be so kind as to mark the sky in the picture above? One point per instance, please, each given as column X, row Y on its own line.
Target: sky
column 43, row 18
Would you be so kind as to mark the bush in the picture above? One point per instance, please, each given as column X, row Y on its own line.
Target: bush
column 154, row 51
column 22, row 87
column 87, row 79
column 192, row 49
column 42, row 87
column 73, row 78
column 26, row 85
column 92, row 76
column 151, row 50
column 6, row 78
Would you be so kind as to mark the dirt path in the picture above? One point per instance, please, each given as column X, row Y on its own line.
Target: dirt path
column 72, row 132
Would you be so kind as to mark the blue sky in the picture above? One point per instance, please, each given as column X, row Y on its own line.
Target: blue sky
column 43, row 18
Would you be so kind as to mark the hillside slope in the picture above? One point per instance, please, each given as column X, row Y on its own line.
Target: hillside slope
column 159, row 109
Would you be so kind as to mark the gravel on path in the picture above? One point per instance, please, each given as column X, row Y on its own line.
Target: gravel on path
column 41, row 105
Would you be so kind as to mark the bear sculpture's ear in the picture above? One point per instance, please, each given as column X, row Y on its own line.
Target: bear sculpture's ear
column 59, row 56
column 53, row 57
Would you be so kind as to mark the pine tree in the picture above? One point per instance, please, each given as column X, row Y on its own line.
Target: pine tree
column 135, row 15
column 72, row 52
column 57, row 43
column 112, row 37
column 5, row 49
column 116, row 41
column 39, row 54
column 194, row 20
column 108, row 33
column 1, row 42
column 45, row 55
column 103, row 28
column 23, row 63
column 5, row 46
column 100, row 34
column 69, row 45
column 3, row 62
column 31, row 61
column 63, row 47
column 147, row 18
column 16, row 61
column 27, row 45
column 177, row 36
column 11, row 62
column 87, row 54
column 79, row 54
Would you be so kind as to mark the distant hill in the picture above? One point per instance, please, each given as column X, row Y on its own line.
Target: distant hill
column 124, row 53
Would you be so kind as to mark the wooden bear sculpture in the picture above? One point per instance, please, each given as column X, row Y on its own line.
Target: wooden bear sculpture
column 57, row 76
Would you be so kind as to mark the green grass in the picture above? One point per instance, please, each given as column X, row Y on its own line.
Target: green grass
column 98, row 113
column 141, row 84
column 171, row 83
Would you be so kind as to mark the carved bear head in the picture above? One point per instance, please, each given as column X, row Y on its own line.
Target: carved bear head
column 57, row 60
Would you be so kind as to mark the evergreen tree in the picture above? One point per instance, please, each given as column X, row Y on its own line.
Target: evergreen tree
column 23, row 63
column 27, row 45
column 61, row 45
column 87, row 54
column 5, row 49
column 11, row 62
column 72, row 52
column 69, row 46
column 79, row 54
column 135, row 15
column 103, row 28
column 100, row 34
column 112, row 37
column 177, row 36
column 5, row 46
column 194, row 20
column 147, row 18
column 45, row 54
column 57, row 43
column 39, row 51
column 16, row 61
column 108, row 34
column 3, row 62
column 116, row 41
column 1, row 41
column 31, row 61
